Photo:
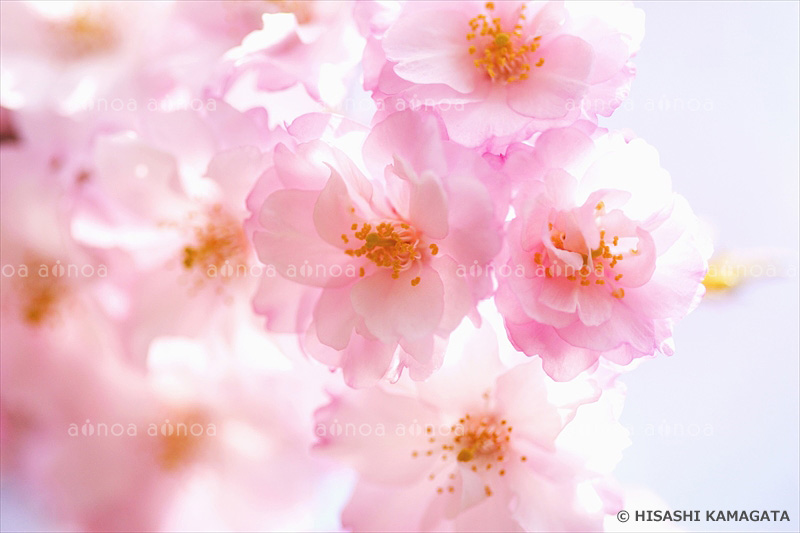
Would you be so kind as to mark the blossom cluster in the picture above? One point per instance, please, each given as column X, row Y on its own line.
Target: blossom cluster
column 307, row 265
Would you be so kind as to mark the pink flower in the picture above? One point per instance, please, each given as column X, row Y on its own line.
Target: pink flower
column 170, row 199
column 106, row 448
column 109, row 57
column 475, row 448
column 311, row 44
column 603, row 257
column 498, row 71
column 372, row 264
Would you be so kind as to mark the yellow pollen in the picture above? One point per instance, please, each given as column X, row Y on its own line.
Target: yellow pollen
column 179, row 446
column 302, row 10
column 504, row 56
column 434, row 249
column 387, row 247
column 222, row 240
column 86, row 32
column 598, row 263
column 415, row 281
column 41, row 293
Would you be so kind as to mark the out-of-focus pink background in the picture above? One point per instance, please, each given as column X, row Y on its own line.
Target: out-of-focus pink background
column 716, row 426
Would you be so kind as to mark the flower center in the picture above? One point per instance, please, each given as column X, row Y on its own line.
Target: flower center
column 505, row 53
column 41, row 290
column 218, row 243
column 482, row 441
column 302, row 10
column 598, row 264
column 180, row 442
column 394, row 245
column 84, row 33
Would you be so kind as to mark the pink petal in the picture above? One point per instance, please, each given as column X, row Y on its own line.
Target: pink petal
column 375, row 507
column 332, row 212
column 377, row 433
column 334, row 317
column 398, row 135
column 428, row 207
column 473, row 124
column 432, row 53
column 559, row 85
column 286, row 305
column 625, row 326
column 560, row 294
column 522, row 398
column 366, row 361
column 393, row 308
column 289, row 241
column 561, row 360
column 595, row 304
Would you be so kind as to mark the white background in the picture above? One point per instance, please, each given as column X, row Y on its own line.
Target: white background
column 732, row 67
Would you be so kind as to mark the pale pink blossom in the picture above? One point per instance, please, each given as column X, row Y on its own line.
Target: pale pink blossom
column 369, row 265
column 104, row 447
column 107, row 57
column 314, row 45
column 499, row 71
column 603, row 258
column 100, row 442
column 169, row 198
column 476, row 448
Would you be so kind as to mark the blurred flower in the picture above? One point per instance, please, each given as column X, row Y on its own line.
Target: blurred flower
column 170, row 198
column 475, row 448
column 499, row 71
column 383, row 255
column 730, row 269
column 604, row 257
column 105, row 57
column 313, row 44
column 106, row 448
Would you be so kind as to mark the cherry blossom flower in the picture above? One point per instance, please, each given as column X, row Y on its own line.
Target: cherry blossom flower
column 170, row 197
column 311, row 44
column 603, row 257
column 104, row 447
column 372, row 264
column 107, row 57
column 499, row 71
column 475, row 448
column 104, row 443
